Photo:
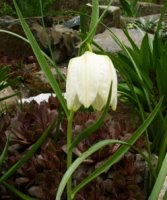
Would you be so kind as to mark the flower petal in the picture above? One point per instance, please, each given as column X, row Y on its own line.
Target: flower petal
column 71, row 94
column 88, row 82
column 114, row 88
column 107, row 76
column 98, row 103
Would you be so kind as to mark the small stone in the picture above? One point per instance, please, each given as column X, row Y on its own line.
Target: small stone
column 106, row 41
column 36, row 191
column 108, row 185
column 73, row 23
column 9, row 101
column 21, row 180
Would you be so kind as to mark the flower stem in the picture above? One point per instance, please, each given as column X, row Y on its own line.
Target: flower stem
column 89, row 46
column 69, row 152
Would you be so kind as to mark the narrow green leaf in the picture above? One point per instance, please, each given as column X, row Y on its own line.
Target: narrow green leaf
column 133, row 44
column 94, row 19
column 161, row 73
column 83, row 21
column 126, row 75
column 126, row 7
column 125, row 68
column 165, row 196
column 131, row 54
column 145, row 52
column 79, row 160
column 124, row 89
column 135, row 7
column 49, row 44
column 41, row 59
column 14, row 34
column 163, row 11
column 28, row 154
column 4, row 152
column 121, row 151
column 159, row 181
column 9, row 96
column 93, row 29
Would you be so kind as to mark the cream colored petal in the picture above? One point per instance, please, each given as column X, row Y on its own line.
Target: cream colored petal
column 71, row 93
column 98, row 103
column 114, row 89
column 104, row 78
column 76, row 104
column 114, row 103
column 87, row 79
column 108, row 75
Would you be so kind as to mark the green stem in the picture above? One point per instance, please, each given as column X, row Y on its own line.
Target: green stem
column 95, row 20
column 89, row 47
column 69, row 153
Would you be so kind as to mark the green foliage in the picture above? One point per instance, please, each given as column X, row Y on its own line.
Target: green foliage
column 160, row 181
column 130, row 8
column 79, row 161
column 42, row 61
column 3, row 155
column 6, row 9
column 108, row 162
column 144, row 70
column 151, row 1
column 148, row 25
column 31, row 8
column 95, row 20
column 154, row 26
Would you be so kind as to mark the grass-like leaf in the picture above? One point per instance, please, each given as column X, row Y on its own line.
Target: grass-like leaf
column 79, row 160
column 126, row 7
column 121, row 151
column 41, row 59
column 4, row 152
column 94, row 26
column 163, row 11
column 134, row 59
column 159, row 181
column 94, row 19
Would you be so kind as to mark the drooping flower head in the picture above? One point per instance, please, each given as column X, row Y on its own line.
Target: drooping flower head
column 88, row 82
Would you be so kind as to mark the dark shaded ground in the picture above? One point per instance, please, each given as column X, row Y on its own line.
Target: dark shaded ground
column 41, row 175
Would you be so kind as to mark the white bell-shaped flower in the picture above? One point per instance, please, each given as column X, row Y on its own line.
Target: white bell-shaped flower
column 88, row 82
